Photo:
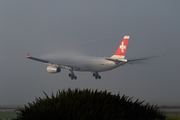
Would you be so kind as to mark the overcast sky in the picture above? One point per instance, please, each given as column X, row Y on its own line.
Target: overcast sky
column 93, row 28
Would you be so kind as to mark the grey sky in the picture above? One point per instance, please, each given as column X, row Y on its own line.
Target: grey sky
column 90, row 28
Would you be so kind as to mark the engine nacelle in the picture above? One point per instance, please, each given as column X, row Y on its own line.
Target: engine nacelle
column 53, row 69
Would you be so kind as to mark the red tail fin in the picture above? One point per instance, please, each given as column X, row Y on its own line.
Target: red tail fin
column 121, row 51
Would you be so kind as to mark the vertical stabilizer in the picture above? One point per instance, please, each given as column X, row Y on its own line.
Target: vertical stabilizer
column 121, row 51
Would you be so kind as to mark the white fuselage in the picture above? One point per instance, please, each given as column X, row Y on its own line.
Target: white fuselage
column 92, row 64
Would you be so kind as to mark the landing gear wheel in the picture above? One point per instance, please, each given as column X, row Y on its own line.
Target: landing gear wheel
column 94, row 74
column 70, row 74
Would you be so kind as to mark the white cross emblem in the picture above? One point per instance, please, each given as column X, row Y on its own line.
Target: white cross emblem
column 122, row 47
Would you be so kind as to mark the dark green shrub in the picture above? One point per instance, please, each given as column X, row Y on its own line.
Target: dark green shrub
column 88, row 105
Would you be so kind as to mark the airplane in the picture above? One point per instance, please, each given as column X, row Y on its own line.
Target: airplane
column 91, row 64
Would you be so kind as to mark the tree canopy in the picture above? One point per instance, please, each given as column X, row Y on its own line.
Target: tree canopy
column 88, row 104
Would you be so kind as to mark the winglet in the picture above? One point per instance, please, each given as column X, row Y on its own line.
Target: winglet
column 162, row 53
column 28, row 55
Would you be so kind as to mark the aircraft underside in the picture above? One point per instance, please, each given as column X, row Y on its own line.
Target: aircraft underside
column 95, row 70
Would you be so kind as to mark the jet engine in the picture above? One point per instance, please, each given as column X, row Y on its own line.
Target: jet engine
column 53, row 69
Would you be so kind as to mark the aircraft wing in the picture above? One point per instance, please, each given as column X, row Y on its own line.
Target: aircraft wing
column 69, row 67
column 52, row 63
column 36, row 59
column 145, row 58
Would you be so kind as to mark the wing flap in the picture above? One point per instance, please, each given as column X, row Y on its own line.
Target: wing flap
column 69, row 67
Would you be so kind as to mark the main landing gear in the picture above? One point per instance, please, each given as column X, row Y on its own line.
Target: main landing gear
column 72, row 75
column 96, row 75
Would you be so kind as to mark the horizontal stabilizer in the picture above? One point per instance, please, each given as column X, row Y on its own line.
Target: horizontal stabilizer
column 117, row 61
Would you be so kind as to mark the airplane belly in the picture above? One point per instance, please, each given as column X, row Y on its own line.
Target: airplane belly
column 101, row 66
